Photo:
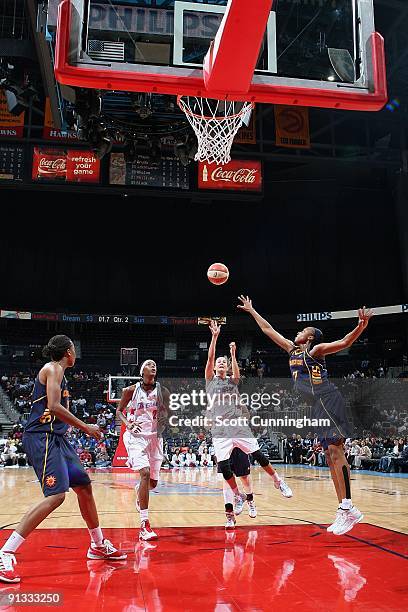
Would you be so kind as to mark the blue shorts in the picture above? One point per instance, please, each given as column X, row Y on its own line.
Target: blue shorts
column 55, row 463
column 333, row 407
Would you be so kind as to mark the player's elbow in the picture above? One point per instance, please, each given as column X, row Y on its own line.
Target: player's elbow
column 54, row 407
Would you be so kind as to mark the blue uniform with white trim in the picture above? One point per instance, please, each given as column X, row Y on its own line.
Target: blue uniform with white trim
column 312, row 382
column 54, row 460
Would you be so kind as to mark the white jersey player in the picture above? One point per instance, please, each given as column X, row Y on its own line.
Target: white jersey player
column 142, row 408
column 230, row 425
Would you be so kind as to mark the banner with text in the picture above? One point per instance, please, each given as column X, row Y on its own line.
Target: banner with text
column 247, row 133
column 238, row 174
column 292, row 127
column 11, row 126
column 50, row 132
column 65, row 166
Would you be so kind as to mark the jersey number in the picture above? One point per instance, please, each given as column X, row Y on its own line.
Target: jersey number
column 46, row 417
column 316, row 375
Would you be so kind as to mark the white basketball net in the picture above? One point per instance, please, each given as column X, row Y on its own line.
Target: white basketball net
column 215, row 123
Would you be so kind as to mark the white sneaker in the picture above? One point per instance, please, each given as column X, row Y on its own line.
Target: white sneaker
column 7, row 571
column 146, row 532
column 239, row 503
column 347, row 521
column 252, row 509
column 284, row 488
column 137, row 497
column 230, row 522
column 339, row 514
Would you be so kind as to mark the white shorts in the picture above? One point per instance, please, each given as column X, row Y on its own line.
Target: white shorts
column 223, row 446
column 144, row 451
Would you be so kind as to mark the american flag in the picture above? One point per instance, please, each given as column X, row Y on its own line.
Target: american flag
column 106, row 50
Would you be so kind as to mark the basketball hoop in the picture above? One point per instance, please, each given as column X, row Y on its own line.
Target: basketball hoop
column 215, row 123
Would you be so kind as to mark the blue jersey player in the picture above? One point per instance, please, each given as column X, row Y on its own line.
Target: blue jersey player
column 308, row 368
column 54, row 460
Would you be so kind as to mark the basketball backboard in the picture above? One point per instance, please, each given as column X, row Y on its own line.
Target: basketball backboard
column 322, row 53
column 116, row 386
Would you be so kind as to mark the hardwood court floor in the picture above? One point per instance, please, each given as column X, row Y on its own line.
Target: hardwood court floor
column 283, row 559
column 191, row 497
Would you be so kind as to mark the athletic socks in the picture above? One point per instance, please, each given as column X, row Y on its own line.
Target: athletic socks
column 144, row 515
column 250, row 497
column 276, row 477
column 228, row 493
column 346, row 504
column 229, row 508
column 13, row 543
column 96, row 536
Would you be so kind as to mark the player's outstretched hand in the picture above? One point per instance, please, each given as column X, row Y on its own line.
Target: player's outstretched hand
column 94, row 432
column 215, row 328
column 134, row 428
column 246, row 303
column 364, row 316
column 233, row 348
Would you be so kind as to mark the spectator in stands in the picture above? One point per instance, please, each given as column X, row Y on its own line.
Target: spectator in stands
column 9, row 454
column 365, row 453
column 108, row 413
column 211, row 452
column 287, row 449
column 321, row 459
column 401, row 464
column 102, row 457
column 297, row 449
column 85, row 458
column 313, row 454
column 206, row 460
column 177, row 459
column 355, row 451
column 191, row 458
column 101, row 420
column 386, row 461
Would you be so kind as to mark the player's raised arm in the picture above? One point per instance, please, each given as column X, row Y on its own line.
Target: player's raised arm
column 209, row 368
column 327, row 348
column 246, row 306
column 54, row 375
column 234, row 363
column 127, row 394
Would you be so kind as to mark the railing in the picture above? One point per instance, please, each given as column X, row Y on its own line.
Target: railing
column 11, row 414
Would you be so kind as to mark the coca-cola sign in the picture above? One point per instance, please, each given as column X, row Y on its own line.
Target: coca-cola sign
column 238, row 174
column 63, row 165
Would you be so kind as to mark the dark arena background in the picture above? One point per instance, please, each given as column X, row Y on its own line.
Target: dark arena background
column 109, row 226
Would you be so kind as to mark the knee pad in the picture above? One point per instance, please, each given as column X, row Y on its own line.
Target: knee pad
column 225, row 468
column 260, row 458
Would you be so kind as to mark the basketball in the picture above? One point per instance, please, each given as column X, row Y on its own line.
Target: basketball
column 218, row 274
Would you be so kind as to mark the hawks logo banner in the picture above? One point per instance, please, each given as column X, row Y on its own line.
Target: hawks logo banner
column 292, row 127
column 238, row 174
column 247, row 133
column 11, row 126
column 121, row 456
column 50, row 132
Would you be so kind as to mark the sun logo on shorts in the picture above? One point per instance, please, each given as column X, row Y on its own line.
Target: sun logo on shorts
column 50, row 481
